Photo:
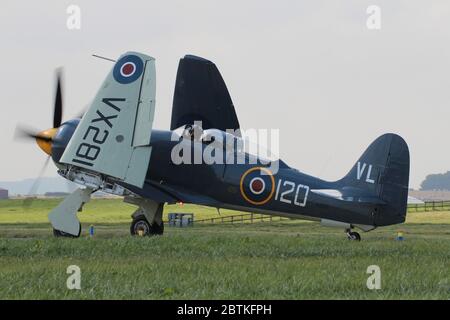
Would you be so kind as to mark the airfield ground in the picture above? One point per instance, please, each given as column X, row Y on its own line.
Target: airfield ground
column 265, row 260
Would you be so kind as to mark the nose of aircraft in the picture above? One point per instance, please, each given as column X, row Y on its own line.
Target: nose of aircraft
column 44, row 140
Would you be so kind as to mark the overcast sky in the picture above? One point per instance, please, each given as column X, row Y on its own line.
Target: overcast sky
column 310, row 68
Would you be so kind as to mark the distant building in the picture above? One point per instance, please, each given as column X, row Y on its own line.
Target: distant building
column 413, row 200
column 432, row 195
column 3, row 194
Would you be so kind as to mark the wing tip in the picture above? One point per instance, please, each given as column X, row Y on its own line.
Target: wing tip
column 196, row 58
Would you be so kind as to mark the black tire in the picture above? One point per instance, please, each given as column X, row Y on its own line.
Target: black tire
column 62, row 234
column 354, row 236
column 158, row 229
column 141, row 224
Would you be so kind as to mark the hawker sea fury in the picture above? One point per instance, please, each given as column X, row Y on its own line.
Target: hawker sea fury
column 113, row 148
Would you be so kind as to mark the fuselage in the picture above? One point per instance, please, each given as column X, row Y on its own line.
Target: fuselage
column 272, row 188
column 269, row 187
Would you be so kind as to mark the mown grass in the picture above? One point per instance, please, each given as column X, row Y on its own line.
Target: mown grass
column 95, row 211
column 278, row 260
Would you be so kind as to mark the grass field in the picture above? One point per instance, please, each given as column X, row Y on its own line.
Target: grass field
column 277, row 260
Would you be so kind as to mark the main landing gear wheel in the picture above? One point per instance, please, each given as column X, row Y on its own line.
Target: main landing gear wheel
column 140, row 226
column 62, row 234
column 352, row 235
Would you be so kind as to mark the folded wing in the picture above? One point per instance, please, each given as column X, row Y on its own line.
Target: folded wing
column 201, row 95
column 113, row 137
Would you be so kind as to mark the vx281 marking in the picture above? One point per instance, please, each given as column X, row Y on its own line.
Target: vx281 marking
column 88, row 151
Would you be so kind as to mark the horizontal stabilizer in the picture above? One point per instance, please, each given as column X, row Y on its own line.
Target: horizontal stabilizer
column 338, row 195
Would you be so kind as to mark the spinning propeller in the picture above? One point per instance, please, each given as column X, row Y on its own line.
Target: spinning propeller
column 44, row 139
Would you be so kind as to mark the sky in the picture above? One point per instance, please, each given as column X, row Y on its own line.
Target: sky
column 312, row 69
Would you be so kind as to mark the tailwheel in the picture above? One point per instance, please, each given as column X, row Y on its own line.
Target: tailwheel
column 62, row 234
column 352, row 235
column 141, row 227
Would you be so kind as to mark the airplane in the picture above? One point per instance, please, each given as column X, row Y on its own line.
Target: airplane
column 114, row 148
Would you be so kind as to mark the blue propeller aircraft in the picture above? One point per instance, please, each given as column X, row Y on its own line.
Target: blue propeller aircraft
column 113, row 148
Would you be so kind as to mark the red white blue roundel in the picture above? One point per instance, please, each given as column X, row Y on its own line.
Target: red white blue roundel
column 257, row 185
column 128, row 69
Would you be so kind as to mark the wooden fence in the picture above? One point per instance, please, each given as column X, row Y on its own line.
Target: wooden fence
column 241, row 218
column 429, row 206
column 257, row 217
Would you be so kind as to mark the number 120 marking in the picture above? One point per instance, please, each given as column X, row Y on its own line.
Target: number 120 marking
column 301, row 193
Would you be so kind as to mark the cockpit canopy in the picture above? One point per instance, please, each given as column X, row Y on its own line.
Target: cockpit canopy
column 228, row 142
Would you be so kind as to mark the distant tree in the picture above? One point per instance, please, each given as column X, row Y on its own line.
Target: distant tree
column 437, row 181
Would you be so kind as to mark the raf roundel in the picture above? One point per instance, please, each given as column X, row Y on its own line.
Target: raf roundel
column 128, row 69
column 257, row 185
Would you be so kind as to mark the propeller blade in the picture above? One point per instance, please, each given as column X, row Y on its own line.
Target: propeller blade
column 58, row 110
column 29, row 134
column 27, row 202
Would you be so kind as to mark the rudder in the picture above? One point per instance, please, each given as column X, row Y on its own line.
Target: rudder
column 382, row 172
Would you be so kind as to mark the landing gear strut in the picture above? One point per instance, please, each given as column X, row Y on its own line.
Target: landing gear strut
column 353, row 235
column 147, row 219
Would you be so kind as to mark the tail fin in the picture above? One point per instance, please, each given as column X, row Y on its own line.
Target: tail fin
column 382, row 172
